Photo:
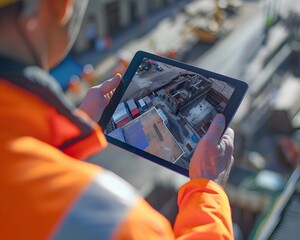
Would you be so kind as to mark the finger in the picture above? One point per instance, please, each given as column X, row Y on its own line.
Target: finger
column 229, row 134
column 226, row 146
column 216, row 128
column 227, row 142
column 109, row 95
column 110, row 85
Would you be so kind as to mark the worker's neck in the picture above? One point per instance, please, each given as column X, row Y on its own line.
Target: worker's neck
column 13, row 46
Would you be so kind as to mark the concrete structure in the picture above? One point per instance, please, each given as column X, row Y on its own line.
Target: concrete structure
column 219, row 95
column 150, row 133
column 285, row 111
column 163, row 116
column 117, row 134
column 135, row 135
column 183, row 91
column 105, row 18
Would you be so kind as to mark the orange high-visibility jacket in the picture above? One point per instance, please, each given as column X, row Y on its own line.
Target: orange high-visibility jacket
column 47, row 192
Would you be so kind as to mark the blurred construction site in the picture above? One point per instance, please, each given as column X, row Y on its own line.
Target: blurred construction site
column 257, row 41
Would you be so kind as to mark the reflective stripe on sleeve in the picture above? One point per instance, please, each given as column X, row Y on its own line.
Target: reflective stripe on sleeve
column 99, row 209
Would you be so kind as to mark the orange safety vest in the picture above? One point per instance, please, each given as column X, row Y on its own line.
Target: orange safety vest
column 46, row 192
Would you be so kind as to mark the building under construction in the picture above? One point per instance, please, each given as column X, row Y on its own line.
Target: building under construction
column 185, row 90
column 219, row 95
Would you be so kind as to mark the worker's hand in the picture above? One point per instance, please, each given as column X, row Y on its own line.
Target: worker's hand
column 213, row 157
column 98, row 97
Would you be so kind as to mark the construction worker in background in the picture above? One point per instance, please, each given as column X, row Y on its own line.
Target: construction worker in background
column 46, row 192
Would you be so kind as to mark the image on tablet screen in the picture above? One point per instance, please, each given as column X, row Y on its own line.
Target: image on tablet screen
column 166, row 110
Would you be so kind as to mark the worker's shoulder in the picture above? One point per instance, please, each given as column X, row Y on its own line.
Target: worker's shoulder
column 28, row 158
column 38, row 182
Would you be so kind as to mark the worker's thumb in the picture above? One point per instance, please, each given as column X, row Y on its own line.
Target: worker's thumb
column 216, row 128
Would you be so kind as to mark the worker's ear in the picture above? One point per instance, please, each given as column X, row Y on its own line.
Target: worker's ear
column 62, row 10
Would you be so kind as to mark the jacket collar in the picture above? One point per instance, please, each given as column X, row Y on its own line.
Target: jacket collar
column 38, row 82
column 33, row 75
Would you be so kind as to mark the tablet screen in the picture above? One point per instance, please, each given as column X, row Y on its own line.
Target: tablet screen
column 166, row 110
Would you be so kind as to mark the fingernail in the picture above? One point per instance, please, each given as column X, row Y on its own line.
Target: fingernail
column 118, row 75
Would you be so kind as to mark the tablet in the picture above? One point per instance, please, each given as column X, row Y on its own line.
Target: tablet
column 163, row 107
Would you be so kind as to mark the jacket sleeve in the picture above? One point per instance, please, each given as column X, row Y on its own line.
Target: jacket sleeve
column 109, row 208
column 204, row 212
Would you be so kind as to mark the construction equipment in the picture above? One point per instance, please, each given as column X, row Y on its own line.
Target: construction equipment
column 207, row 21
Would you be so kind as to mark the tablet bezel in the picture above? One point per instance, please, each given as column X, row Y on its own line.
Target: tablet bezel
column 229, row 111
